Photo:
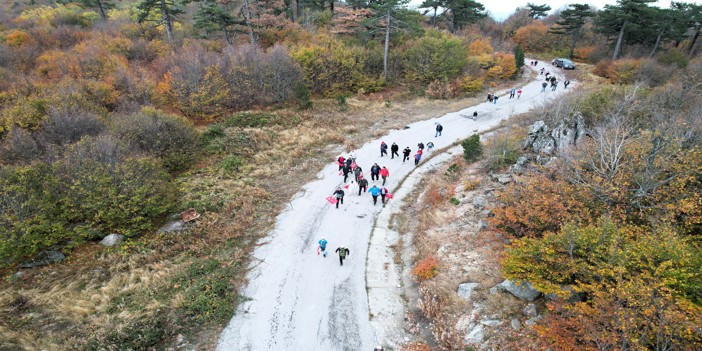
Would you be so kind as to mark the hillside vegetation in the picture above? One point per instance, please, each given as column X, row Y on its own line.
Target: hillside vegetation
column 116, row 115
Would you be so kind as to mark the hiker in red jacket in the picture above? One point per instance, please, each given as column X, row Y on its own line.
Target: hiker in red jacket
column 384, row 173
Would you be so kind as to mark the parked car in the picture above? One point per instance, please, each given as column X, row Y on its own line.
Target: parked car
column 563, row 63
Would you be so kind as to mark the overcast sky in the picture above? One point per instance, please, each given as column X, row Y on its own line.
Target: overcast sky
column 500, row 9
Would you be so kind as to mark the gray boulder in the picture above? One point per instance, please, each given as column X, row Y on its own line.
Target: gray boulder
column 479, row 202
column 516, row 324
column 530, row 310
column 568, row 132
column 524, row 291
column 482, row 224
column 539, row 139
column 172, row 226
column 475, row 335
column 533, row 320
column 112, row 240
column 44, row 258
column 466, row 289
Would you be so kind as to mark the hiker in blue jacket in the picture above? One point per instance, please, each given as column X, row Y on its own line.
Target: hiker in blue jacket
column 375, row 191
column 322, row 247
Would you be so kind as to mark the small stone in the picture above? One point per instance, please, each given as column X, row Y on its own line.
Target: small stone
column 112, row 240
column 44, row 258
column 482, row 224
column 19, row 275
column 491, row 322
column 530, row 310
column 524, row 291
column 533, row 320
column 516, row 324
column 475, row 335
column 479, row 202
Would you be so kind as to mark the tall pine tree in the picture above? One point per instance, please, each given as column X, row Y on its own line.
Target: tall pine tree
column 618, row 18
column 538, row 11
column 571, row 23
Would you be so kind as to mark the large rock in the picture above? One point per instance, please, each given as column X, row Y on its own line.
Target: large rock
column 44, row 258
column 523, row 291
column 466, row 289
column 475, row 335
column 112, row 240
column 567, row 133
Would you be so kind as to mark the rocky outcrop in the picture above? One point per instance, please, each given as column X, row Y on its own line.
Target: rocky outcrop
column 543, row 140
column 43, row 259
column 530, row 310
column 466, row 289
column 523, row 291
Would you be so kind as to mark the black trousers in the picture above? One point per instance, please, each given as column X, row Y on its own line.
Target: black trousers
column 383, row 152
column 374, row 176
column 393, row 154
column 382, row 198
column 341, row 260
column 405, row 157
column 362, row 189
column 375, row 199
column 341, row 199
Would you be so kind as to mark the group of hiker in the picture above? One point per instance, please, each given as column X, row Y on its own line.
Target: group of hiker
column 342, row 250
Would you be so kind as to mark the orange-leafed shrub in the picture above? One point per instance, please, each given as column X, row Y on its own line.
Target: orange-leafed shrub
column 585, row 52
column 415, row 346
column 535, row 37
column 480, row 47
column 17, row 38
column 443, row 89
column 504, row 67
column 426, row 269
column 620, row 72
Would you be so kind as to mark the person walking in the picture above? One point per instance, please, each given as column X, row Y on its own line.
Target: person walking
column 383, row 148
column 494, row 100
column 554, row 85
column 512, row 92
column 339, row 195
column 374, row 191
column 352, row 187
column 340, row 162
column 565, row 84
column 405, row 153
column 430, row 146
column 346, row 170
column 384, row 173
column 393, row 151
column 375, row 172
column 362, row 185
column 542, row 71
column 383, row 192
column 357, row 172
column 343, row 252
column 417, row 157
column 322, row 248
column 420, row 146
column 439, row 128
column 519, row 93
column 543, row 87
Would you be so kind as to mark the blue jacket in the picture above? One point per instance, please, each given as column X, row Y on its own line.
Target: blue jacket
column 375, row 191
column 323, row 244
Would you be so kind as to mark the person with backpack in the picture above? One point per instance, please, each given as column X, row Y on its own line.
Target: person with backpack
column 340, row 162
column 322, row 248
column 383, row 192
column 375, row 172
column 362, row 185
column 343, row 252
column 494, row 100
column 384, row 173
column 543, row 87
column 554, row 85
column 439, row 128
column 406, row 152
column 565, row 84
column 375, row 191
column 339, row 195
column 383, row 148
column 430, row 146
column 357, row 172
column 420, row 146
column 393, row 150
column 512, row 92
column 417, row 157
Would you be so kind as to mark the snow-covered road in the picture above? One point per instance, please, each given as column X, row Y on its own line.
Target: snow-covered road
column 302, row 301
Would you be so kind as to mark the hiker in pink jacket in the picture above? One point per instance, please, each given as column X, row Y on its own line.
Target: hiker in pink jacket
column 384, row 173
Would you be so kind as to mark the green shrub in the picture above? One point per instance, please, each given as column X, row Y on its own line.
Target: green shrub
column 169, row 138
column 503, row 149
column 231, row 163
column 207, row 295
column 455, row 201
column 252, row 119
column 437, row 57
column 472, row 149
column 302, row 95
column 673, row 58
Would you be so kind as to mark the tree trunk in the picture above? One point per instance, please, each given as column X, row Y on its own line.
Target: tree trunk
column 247, row 19
column 693, row 42
column 387, row 46
column 226, row 35
column 293, row 12
column 434, row 19
column 331, row 7
column 655, row 46
column 101, row 9
column 620, row 39
column 167, row 20
column 572, row 44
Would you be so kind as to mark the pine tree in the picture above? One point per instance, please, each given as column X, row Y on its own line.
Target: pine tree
column 618, row 18
column 101, row 5
column 571, row 22
column 464, row 12
column 211, row 17
column 162, row 12
column 434, row 5
column 518, row 58
column 538, row 11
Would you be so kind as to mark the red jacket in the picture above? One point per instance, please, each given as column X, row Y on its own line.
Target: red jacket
column 384, row 172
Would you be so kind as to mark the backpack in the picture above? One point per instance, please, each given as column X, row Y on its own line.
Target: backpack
column 342, row 251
